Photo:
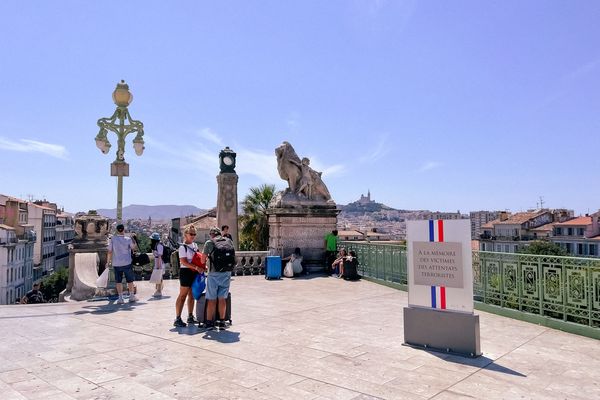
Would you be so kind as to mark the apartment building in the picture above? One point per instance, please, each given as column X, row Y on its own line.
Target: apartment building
column 511, row 231
column 65, row 233
column 480, row 218
column 42, row 215
column 17, row 240
column 579, row 236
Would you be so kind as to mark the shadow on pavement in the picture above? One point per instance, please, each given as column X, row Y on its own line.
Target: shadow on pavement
column 108, row 308
column 480, row 362
column 224, row 336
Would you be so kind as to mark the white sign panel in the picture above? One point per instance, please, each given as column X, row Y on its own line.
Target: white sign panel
column 440, row 271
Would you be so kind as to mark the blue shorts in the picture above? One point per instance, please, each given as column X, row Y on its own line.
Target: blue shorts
column 217, row 285
column 127, row 270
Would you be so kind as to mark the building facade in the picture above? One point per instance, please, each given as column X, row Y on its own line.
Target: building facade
column 480, row 218
column 579, row 236
column 65, row 233
column 42, row 215
column 17, row 239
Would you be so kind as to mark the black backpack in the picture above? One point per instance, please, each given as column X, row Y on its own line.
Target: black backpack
column 166, row 255
column 222, row 258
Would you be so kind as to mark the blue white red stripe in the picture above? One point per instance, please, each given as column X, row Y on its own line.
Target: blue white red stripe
column 438, row 293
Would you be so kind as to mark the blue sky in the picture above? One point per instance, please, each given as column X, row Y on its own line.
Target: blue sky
column 461, row 105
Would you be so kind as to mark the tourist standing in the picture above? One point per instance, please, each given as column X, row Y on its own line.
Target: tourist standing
column 157, row 251
column 119, row 258
column 225, row 232
column 187, row 274
column 331, row 240
column 221, row 256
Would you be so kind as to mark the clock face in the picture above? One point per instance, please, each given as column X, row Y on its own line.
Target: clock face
column 227, row 160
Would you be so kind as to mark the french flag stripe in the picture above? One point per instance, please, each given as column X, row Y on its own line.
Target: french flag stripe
column 437, row 292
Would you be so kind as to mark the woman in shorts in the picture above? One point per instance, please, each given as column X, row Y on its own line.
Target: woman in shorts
column 187, row 274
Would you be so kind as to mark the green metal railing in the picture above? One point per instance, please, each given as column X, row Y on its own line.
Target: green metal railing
column 563, row 289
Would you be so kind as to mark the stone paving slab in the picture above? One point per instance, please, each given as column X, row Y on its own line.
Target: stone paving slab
column 316, row 338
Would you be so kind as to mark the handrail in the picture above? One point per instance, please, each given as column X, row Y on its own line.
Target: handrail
column 557, row 287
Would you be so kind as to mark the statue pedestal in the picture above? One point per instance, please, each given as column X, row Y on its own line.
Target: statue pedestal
column 91, row 232
column 303, row 226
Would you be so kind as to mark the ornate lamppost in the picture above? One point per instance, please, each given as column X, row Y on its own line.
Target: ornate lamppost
column 122, row 124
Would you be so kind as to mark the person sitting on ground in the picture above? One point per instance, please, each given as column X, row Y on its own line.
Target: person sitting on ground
column 296, row 261
column 351, row 267
column 338, row 264
column 34, row 296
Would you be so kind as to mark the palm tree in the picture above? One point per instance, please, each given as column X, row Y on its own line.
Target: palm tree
column 254, row 221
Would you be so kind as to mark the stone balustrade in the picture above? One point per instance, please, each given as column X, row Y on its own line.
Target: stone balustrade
column 250, row 262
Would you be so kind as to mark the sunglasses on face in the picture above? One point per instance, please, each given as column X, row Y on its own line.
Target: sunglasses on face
column 192, row 234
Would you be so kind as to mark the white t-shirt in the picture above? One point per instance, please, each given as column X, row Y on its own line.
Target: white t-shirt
column 187, row 251
column 158, row 254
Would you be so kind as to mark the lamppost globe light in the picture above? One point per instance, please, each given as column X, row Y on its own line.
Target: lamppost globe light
column 122, row 97
column 138, row 147
column 103, row 145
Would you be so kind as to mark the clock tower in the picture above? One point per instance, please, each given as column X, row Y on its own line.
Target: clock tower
column 227, row 199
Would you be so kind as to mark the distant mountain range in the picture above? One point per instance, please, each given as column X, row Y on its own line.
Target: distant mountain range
column 157, row 213
column 167, row 212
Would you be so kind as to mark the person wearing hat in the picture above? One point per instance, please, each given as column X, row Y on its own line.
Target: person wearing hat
column 157, row 251
column 119, row 257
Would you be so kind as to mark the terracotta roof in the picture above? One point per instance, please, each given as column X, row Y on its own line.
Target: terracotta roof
column 490, row 225
column 10, row 198
column 350, row 233
column 519, row 218
column 377, row 234
column 544, row 228
column 42, row 207
column 579, row 221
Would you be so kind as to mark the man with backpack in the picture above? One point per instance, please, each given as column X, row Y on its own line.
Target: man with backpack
column 221, row 260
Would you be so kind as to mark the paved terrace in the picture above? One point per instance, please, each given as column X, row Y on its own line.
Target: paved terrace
column 319, row 338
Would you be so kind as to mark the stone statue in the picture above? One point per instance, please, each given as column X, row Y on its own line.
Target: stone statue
column 303, row 182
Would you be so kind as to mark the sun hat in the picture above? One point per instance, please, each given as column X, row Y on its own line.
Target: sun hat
column 155, row 236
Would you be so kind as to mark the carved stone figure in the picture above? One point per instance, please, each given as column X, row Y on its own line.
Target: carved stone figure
column 287, row 165
column 303, row 181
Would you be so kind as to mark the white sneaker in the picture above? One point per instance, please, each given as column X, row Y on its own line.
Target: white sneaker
column 120, row 300
column 132, row 298
column 157, row 294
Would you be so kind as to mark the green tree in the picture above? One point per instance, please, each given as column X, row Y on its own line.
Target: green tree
column 144, row 243
column 543, row 247
column 52, row 285
column 254, row 233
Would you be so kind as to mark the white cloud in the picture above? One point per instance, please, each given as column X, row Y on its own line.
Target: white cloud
column 211, row 136
column 377, row 152
column 327, row 170
column 259, row 163
column 34, row 146
column 429, row 165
